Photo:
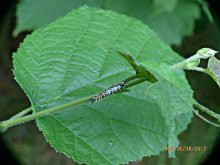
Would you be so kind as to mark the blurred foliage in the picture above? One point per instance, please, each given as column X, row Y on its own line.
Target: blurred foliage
column 171, row 20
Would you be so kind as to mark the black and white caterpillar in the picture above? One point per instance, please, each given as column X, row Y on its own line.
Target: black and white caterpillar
column 112, row 90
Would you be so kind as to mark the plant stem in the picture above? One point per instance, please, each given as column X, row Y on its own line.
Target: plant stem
column 182, row 64
column 203, row 53
column 211, row 113
column 22, row 113
column 9, row 123
column 201, row 70
column 206, row 120
column 133, row 78
column 140, row 80
column 17, row 120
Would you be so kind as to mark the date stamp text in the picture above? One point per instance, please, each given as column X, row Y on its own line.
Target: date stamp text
column 186, row 148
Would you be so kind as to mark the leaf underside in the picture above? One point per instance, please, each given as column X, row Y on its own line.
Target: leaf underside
column 63, row 62
column 214, row 69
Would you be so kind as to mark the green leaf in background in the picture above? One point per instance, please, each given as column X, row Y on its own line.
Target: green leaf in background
column 160, row 6
column 63, row 62
column 172, row 22
column 33, row 14
column 205, row 8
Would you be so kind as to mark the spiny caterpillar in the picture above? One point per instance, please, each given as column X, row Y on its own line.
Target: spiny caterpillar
column 112, row 90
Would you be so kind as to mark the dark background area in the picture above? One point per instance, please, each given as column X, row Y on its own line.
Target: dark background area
column 14, row 95
column 6, row 157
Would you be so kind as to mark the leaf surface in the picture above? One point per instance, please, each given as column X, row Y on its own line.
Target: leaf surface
column 213, row 69
column 64, row 62
column 173, row 97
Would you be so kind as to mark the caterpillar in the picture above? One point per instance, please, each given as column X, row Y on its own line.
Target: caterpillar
column 112, row 90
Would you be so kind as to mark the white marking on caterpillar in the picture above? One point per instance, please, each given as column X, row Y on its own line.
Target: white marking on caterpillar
column 112, row 90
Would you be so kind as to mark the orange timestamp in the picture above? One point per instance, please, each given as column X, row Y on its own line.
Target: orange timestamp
column 186, row 148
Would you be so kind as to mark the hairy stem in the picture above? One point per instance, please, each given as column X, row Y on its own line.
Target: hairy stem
column 22, row 113
column 182, row 64
column 206, row 120
column 9, row 123
column 211, row 113
column 17, row 119
column 201, row 70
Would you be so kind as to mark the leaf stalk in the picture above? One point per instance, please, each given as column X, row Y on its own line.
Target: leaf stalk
column 18, row 119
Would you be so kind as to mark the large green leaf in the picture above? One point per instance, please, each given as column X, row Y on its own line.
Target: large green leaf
column 64, row 62
column 172, row 19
